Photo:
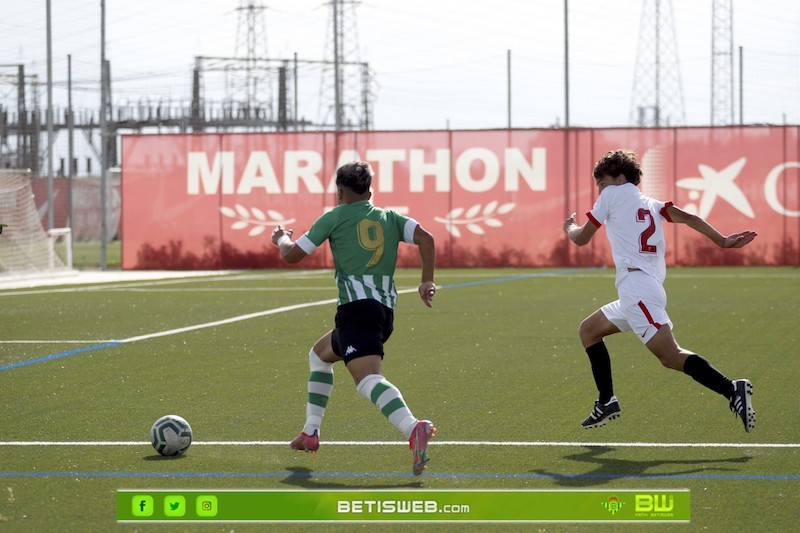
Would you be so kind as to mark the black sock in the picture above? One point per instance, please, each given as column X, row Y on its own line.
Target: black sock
column 702, row 372
column 601, row 370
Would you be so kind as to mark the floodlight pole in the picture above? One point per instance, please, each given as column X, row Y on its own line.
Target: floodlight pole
column 741, row 87
column 70, row 140
column 103, row 136
column 566, row 63
column 337, row 74
column 566, row 122
column 50, row 223
column 508, row 83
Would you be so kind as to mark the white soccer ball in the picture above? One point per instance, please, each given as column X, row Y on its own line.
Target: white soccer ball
column 171, row 435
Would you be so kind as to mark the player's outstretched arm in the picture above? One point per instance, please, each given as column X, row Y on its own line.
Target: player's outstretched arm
column 734, row 240
column 283, row 240
column 580, row 235
column 427, row 254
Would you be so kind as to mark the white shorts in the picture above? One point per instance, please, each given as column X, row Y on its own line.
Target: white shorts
column 641, row 308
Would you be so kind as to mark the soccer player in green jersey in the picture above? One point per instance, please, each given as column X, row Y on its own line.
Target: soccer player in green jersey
column 364, row 241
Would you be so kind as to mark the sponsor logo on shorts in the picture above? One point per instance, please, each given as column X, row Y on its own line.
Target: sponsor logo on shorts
column 349, row 350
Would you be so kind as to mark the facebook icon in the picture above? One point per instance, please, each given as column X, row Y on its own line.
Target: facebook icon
column 142, row 505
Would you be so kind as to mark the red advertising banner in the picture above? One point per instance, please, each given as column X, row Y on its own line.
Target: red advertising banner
column 490, row 197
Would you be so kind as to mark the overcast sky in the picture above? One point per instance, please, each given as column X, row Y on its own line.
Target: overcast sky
column 436, row 63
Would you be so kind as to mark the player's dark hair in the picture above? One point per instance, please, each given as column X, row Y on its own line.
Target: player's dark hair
column 356, row 176
column 619, row 162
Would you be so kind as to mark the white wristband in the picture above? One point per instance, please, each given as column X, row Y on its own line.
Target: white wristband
column 284, row 239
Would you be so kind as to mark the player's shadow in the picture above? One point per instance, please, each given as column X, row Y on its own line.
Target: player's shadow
column 305, row 478
column 609, row 469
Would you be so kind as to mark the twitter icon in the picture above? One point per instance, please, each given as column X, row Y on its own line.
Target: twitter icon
column 174, row 506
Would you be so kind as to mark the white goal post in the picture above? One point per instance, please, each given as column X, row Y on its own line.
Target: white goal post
column 59, row 242
column 25, row 247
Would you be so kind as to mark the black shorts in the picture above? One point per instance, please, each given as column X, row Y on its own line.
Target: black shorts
column 361, row 329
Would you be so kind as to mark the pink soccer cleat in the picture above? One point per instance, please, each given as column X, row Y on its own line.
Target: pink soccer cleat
column 418, row 442
column 306, row 443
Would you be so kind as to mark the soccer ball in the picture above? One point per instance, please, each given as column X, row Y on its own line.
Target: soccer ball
column 171, row 435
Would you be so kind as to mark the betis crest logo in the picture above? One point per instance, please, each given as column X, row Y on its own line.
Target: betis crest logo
column 613, row 505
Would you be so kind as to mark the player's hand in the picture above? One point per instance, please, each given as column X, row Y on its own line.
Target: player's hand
column 279, row 232
column 570, row 222
column 737, row 240
column 427, row 289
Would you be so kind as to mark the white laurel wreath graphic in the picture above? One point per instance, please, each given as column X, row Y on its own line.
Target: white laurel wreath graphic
column 255, row 217
column 473, row 216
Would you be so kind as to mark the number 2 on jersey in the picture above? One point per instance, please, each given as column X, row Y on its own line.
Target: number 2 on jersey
column 370, row 237
column 643, row 215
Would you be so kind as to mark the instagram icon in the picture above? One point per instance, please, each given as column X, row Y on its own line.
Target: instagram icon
column 207, row 506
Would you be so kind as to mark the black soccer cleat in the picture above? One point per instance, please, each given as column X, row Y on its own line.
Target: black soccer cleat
column 602, row 413
column 742, row 403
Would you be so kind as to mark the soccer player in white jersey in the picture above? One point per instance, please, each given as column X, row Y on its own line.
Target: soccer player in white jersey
column 634, row 227
column 364, row 241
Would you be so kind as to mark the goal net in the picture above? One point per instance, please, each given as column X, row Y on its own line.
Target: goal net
column 25, row 247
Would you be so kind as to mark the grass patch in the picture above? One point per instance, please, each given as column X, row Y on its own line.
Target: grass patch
column 493, row 362
column 86, row 255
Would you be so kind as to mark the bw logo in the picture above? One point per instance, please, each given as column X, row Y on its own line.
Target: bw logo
column 349, row 350
column 659, row 503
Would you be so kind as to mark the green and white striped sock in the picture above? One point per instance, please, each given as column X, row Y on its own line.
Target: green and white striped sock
column 387, row 397
column 320, row 387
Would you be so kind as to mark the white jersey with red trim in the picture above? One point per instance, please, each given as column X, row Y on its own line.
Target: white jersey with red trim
column 634, row 225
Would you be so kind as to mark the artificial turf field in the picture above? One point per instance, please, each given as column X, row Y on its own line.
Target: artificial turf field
column 496, row 364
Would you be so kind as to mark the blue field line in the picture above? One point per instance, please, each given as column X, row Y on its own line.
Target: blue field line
column 552, row 274
column 59, row 355
column 464, row 475
column 142, row 337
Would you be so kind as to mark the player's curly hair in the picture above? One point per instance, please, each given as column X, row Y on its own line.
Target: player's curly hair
column 356, row 176
column 618, row 162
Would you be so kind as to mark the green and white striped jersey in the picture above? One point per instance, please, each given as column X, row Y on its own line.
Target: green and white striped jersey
column 364, row 241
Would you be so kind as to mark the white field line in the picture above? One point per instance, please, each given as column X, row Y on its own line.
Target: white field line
column 225, row 321
column 140, row 286
column 123, row 283
column 239, row 318
column 328, row 288
column 522, row 444
column 88, row 341
column 197, row 326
